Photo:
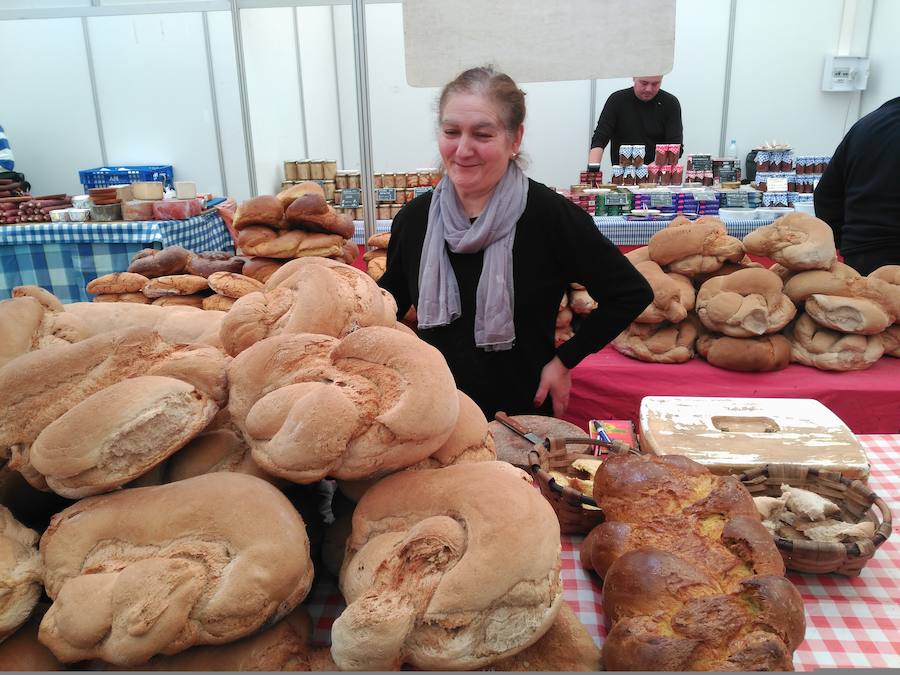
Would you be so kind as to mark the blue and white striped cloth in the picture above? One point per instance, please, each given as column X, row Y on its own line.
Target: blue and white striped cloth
column 7, row 161
column 64, row 257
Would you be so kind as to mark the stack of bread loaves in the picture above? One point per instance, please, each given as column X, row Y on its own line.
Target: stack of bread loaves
column 376, row 256
column 692, row 579
column 297, row 222
column 663, row 332
column 843, row 314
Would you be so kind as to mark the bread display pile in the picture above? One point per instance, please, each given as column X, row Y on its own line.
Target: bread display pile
column 806, row 309
column 308, row 295
column 691, row 578
column 376, row 256
column 298, row 222
column 188, row 446
column 428, row 575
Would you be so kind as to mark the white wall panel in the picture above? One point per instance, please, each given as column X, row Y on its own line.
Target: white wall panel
column 273, row 90
column 403, row 118
column 697, row 79
column 228, row 99
column 152, row 85
column 884, row 55
column 320, row 94
column 777, row 76
column 45, row 103
column 346, row 85
column 554, row 139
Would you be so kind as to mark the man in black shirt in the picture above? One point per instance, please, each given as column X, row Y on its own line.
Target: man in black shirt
column 858, row 196
column 643, row 114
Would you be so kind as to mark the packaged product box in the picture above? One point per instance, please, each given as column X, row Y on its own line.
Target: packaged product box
column 613, row 430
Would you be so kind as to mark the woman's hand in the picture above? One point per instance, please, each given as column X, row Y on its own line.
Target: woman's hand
column 556, row 381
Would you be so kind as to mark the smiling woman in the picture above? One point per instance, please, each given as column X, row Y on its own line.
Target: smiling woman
column 486, row 257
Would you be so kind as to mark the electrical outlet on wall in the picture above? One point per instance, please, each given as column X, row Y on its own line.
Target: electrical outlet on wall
column 845, row 73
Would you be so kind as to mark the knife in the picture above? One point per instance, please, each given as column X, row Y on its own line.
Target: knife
column 512, row 425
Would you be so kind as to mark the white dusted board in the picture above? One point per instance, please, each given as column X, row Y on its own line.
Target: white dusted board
column 538, row 40
column 732, row 435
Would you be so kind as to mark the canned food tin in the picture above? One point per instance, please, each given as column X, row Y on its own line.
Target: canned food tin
column 303, row 169
column 412, row 179
column 328, row 187
column 353, row 179
column 329, row 169
column 400, row 180
column 387, row 180
column 290, row 170
column 340, row 180
column 378, row 179
column 395, row 209
column 384, row 211
column 316, row 170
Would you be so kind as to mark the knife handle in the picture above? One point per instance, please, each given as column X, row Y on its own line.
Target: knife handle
column 510, row 423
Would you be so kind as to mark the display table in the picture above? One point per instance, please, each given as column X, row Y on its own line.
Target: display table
column 64, row 257
column 608, row 385
column 850, row 622
column 619, row 230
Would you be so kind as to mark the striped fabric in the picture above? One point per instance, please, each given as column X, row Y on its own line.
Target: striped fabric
column 7, row 162
column 618, row 230
column 63, row 257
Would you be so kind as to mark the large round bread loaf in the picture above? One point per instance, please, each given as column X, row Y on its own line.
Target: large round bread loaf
column 825, row 349
column 746, row 303
column 312, row 406
column 673, row 295
column 310, row 295
column 20, row 573
column 798, row 241
column 695, row 247
column 658, row 343
column 758, row 354
column 156, row 570
column 448, row 569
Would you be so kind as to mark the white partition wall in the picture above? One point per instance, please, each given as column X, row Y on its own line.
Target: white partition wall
column 140, row 81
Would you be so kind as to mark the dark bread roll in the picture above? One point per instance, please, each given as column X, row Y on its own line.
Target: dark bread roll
column 153, row 263
column 263, row 210
column 202, row 266
column 759, row 354
column 117, row 282
column 261, row 268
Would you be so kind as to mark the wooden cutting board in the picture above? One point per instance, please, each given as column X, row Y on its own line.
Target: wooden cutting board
column 514, row 449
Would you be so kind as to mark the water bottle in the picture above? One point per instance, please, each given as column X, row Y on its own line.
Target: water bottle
column 732, row 149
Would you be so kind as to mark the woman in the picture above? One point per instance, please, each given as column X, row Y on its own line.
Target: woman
column 486, row 257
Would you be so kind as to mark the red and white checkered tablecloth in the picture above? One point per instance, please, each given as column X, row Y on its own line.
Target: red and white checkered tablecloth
column 850, row 622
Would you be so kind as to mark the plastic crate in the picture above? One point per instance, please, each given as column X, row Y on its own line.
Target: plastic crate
column 104, row 176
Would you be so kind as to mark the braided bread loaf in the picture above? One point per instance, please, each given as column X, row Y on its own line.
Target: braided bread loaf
column 692, row 580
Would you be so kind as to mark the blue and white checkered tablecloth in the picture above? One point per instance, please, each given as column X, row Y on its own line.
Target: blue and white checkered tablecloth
column 623, row 232
column 617, row 229
column 64, row 257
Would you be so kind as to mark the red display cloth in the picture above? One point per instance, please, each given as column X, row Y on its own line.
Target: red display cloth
column 609, row 385
column 850, row 622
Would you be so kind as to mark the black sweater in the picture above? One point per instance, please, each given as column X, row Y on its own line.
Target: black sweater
column 858, row 195
column 555, row 243
column 627, row 119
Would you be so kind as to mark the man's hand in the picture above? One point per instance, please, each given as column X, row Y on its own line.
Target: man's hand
column 556, row 381
column 595, row 155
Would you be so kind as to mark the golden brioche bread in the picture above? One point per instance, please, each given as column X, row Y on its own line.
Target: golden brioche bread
column 257, row 240
column 137, row 298
column 379, row 240
column 174, row 284
column 287, row 196
column 233, row 285
column 692, row 579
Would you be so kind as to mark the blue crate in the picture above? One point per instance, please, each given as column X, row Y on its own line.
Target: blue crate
column 104, row 176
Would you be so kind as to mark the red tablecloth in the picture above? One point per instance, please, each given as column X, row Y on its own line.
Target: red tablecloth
column 850, row 622
column 608, row 385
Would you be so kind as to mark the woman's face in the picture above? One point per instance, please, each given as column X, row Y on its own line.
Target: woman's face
column 474, row 143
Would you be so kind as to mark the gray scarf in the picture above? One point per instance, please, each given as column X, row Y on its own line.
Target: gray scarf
column 492, row 232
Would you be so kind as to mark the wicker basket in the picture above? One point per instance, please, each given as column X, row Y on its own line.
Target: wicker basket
column 577, row 513
column 857, row 503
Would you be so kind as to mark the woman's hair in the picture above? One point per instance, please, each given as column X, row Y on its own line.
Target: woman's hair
column 499, row 87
